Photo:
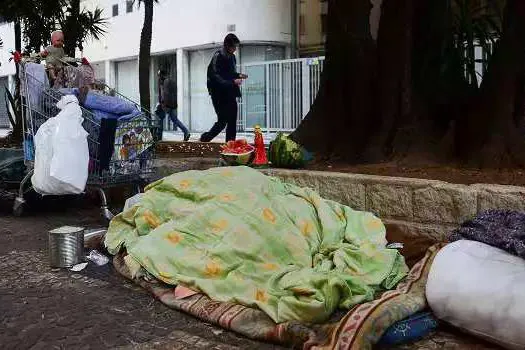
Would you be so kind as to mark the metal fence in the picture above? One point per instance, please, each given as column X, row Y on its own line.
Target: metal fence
column 279, row 94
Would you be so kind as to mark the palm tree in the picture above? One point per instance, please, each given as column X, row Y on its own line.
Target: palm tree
column 80, row 25
column 145, row 53
column 35, row 20
column 38, row 19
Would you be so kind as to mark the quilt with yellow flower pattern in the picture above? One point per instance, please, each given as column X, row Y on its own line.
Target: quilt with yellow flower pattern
column 240, row 236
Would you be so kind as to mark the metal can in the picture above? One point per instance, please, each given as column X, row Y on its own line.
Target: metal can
column 66, row 246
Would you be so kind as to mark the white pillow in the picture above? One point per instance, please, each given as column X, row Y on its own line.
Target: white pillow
column 480, row 289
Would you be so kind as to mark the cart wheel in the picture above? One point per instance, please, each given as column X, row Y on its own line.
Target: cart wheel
column 18, row 207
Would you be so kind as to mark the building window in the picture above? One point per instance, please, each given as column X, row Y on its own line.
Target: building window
column 129, row 6
column 115, row 10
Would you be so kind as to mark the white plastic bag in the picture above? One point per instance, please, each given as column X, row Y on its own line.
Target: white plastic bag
column 61, row 152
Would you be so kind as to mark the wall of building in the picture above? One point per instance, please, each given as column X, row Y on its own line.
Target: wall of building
column 182, row 24
column 7, row 35
column 312, row 24
column 312, row 37
column 184, row 32
column 181, row 30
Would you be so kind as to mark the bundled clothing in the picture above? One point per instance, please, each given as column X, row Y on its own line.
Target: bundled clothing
column 503, row 229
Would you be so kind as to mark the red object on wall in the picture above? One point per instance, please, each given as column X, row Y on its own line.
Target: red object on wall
column 260, row 151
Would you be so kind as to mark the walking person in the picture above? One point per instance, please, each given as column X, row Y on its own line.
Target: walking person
column 168, row 104
column 224, row 88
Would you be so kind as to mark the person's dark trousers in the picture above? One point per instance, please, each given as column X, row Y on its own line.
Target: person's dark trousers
column 160, row 114
column 172, row 114
column 226, row 109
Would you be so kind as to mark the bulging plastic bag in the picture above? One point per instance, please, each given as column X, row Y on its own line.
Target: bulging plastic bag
column 61, row 152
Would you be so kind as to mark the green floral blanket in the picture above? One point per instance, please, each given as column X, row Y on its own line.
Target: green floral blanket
column 242, row 237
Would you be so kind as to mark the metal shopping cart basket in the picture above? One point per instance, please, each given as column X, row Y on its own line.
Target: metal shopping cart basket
column 121, row 152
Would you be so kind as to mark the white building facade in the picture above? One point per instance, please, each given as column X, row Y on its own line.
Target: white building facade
column 185, row 35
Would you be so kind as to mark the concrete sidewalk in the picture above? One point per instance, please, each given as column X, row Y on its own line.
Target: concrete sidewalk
column 45, row 308
column 171, row 136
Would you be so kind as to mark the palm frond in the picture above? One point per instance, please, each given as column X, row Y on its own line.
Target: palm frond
column 93, row 23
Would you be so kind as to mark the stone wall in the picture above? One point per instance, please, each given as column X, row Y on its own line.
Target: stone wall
column 422, row 208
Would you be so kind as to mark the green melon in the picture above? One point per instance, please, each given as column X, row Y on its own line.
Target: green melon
column 285, row 153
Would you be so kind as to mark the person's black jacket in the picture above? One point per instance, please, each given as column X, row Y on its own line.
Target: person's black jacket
column 169, row 93
column 222, row 71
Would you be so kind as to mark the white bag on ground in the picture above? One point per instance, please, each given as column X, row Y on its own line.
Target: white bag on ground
column 61, row 152
column 481, row 290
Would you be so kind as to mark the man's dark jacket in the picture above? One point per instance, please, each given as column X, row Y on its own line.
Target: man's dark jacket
column 222, row 71
column 169, row 93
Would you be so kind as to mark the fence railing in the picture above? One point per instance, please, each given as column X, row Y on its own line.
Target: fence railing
column 279, row 94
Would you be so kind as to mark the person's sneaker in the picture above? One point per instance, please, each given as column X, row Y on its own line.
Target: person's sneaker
column 186, row 137
column 203, row 138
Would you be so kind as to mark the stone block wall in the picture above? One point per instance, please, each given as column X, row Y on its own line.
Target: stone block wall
column 422, row 208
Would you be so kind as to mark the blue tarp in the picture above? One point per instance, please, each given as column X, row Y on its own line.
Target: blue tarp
column 98, row 114
column 108, row 104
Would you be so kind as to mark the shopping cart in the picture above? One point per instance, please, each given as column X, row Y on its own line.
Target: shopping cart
column 121, row 155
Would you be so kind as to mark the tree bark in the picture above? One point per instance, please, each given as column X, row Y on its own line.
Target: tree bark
column 393, row 95
column 366, row 89
column 145, row 55
column 72, row 32
column 409, row 93
column 18, row 35
column 490, row 132
column 17, row 134
column 342, row 116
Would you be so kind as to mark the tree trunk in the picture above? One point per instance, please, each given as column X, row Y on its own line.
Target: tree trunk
column 412, row 88
column 145, row 55
column 490, row 132
column 366, row 90
column 18, row 35
column 72, row 33
column 17, row 132
column 342, row 116
column 18, row 47
column 393, row 95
